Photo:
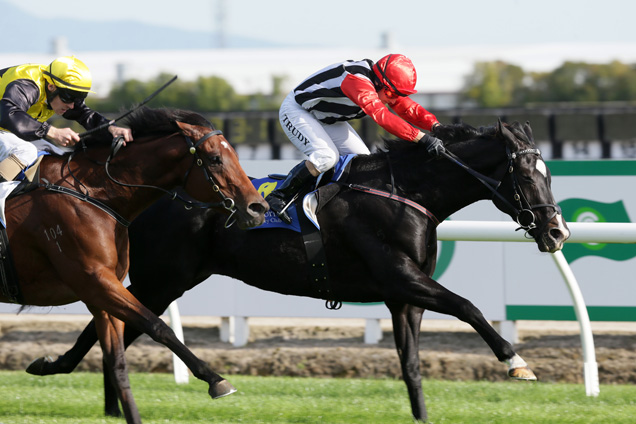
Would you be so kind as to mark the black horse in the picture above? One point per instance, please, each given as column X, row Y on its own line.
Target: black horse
column 377, row 249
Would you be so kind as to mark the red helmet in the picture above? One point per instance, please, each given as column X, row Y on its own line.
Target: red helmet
column 396, row 72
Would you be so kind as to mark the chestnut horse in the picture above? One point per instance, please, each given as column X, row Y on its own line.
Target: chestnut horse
column 378, row 247
column 69, row 236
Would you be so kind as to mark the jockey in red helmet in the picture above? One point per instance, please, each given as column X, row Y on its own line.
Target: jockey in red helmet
column 314, row 117
column 396, row 73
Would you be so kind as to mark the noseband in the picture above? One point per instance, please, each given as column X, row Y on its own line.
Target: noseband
column 524, row 208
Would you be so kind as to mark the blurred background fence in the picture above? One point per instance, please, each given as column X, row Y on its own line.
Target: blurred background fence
column 561, row 133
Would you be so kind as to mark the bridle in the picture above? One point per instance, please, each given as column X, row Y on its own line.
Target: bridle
column 226, row 202
column 524, row 208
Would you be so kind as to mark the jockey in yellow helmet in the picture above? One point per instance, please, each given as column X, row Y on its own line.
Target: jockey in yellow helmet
column 32, row 93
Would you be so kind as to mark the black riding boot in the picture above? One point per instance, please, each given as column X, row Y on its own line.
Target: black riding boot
column 297, row 178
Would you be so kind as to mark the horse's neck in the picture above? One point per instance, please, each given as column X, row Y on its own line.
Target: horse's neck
column 457, row 187
column 441, row 186
column 86, row 173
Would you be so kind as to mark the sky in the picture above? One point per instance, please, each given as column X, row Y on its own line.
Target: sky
column 444, row 38
column 363, row 23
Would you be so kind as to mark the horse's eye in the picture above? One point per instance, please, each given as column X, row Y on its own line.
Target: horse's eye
column 215, row 160
column 527, row 179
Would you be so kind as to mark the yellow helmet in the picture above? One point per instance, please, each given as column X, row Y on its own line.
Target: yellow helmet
column 71, row 77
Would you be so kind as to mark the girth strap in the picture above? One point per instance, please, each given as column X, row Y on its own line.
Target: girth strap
column 316, row 257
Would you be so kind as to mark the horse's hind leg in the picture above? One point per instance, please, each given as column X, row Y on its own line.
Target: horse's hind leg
column 110, row 331
column 68, row 361
column 406, row 331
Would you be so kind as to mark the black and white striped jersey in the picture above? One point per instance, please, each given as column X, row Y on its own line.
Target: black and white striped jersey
column 321, row 93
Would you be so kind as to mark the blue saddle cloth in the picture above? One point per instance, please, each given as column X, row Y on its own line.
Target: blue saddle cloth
column 266, row 185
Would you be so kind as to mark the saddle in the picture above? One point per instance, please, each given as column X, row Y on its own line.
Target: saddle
column 303, row 212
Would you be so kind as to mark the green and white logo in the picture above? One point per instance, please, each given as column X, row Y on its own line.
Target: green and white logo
column 584, row 210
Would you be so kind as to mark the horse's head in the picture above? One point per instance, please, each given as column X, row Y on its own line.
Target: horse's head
column 526, row 189
column 220, row 175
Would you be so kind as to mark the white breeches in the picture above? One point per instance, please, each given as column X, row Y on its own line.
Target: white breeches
column 323, row 144
column 11, row 144
column 26, row 151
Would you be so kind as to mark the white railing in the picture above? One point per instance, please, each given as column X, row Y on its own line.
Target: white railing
column 505, row 232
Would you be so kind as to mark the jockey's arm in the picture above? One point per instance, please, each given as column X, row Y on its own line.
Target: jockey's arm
column 90, row 119
column 362, row 92
column 18, row 97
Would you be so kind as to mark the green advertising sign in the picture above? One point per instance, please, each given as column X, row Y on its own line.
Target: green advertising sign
column 584, row 210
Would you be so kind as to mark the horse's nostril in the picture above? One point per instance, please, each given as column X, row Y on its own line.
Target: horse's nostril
column 257, row 208
column 556, row 234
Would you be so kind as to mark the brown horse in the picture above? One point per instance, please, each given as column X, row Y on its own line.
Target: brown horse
column 74, row 245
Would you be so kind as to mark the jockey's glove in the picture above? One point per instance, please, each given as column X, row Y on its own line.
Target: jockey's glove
column 433, row 145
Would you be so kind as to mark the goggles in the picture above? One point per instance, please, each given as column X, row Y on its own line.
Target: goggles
column 70, row 96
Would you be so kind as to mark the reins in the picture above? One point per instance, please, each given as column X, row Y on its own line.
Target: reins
column 493, row 185
column 226, row 202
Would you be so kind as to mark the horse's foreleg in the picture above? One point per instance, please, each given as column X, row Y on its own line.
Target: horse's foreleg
column 162, row 333
column 406, row 331
column 110, row 333
column 111, row 402
column 420, row 290
column 157, row 303
column 469, row 313
column 119, row 302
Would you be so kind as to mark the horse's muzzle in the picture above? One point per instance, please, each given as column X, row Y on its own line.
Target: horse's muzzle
column 555, row 235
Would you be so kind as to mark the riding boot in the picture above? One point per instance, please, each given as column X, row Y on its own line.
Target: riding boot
column 298, row 178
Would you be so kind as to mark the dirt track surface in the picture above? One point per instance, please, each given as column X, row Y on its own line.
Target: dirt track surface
column 335, row 348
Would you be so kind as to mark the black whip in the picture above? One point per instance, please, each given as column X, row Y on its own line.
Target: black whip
column 146, row 100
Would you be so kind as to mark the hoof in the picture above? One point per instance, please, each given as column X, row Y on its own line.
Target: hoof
column 37, row 366
column 522, row 373
column 221, row 389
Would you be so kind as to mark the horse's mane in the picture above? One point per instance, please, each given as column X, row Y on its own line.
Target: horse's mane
column 145, row 121
column 449, row 134
column 455, row 133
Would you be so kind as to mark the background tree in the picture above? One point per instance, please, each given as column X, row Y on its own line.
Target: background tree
column 499, row 84
column 493, row 84
column 205, row 94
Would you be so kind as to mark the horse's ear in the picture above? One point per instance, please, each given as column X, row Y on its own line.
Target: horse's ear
column 500, row 126
column 528, row 131
column 187, row 129
column 506, row 134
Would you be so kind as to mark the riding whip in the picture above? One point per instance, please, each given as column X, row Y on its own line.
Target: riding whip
column 146, row 100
